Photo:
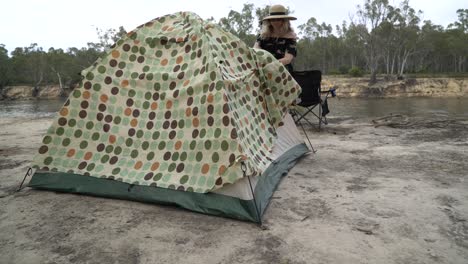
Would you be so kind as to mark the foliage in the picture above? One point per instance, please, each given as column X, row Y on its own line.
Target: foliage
column 356, row 72
column 382, row 39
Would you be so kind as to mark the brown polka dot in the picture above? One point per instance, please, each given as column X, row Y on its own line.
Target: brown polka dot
column 155, row 166
column 221, row 170
column 64, row 111
column 104, row 98
column 134, row 122
column 115, row 54
column 71, row 153
column 178, row 145
column 210, row 98
column 154, row 106
column 124, row 83
column 112, row 139
column 138, row 165
column 128, row 111
column 195, row 122
column 179, row 60
column 86, row 94
column 164, row 62
column 205, row 168
column 88, row 155
column 169, row 104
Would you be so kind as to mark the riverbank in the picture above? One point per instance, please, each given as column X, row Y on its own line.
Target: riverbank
column 346, row 87
column 390, row 189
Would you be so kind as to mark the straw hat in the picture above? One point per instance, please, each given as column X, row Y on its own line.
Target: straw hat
column 278, row 11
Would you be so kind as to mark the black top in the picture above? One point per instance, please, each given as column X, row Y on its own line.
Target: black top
column 278, row 47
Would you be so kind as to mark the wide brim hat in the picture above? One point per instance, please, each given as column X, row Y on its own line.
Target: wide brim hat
column 278, row 11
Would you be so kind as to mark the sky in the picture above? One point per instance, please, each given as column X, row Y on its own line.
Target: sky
column 64, row 24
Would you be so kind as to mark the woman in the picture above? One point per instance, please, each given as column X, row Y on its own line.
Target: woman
column 277, row 36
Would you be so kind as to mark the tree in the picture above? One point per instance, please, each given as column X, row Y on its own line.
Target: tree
column 372, row 14
column 240, row 24
column 107, row 38
column 458, row 39
column 29, row 66
column 5, row 67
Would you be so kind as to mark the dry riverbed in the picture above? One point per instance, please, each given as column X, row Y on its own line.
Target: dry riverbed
column 390, row 191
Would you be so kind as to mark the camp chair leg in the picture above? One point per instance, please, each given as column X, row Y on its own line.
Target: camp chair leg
column 308, row 140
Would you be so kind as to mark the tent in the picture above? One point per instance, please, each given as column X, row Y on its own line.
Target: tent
column 177, row 112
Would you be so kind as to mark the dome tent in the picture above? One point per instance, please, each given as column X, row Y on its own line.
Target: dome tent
column 177, row 112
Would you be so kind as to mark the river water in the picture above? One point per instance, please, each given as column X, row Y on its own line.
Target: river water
column 340, row 108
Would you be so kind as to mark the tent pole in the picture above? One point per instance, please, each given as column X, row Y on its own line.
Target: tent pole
column 244, row 170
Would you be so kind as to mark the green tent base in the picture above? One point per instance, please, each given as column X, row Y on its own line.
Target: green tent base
column 207, row 203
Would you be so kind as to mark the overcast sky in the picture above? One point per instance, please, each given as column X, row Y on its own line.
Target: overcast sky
column 64, row 23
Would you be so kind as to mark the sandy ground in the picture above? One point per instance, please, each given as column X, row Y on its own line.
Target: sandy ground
column 391, row 192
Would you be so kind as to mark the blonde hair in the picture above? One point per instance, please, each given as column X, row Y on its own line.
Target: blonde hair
column 267, row 29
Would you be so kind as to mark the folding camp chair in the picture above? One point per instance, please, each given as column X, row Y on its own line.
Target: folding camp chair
column 312, row 97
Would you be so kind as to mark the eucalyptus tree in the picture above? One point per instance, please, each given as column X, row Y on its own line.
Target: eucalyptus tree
column 372, row 14
column 29, row 66
column 5, row 67
column 458, row 41
column 240, row 24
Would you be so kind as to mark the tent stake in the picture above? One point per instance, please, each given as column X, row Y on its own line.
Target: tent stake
column 28, row 173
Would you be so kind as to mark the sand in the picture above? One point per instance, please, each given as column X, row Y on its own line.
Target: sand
column 393, row 191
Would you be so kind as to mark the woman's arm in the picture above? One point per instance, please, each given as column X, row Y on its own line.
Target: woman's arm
column 287, row 59
column 257, row 45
